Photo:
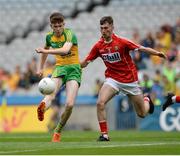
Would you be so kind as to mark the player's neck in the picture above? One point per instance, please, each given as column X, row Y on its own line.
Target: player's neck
column 57, row 34
column 109, row 40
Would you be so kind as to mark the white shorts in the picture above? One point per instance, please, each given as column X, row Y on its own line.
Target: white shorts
column 124, row 88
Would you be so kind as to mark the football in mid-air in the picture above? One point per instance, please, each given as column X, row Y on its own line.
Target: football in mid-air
column 46, row 86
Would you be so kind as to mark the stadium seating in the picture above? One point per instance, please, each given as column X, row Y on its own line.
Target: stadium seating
column 21, row 16
column 28, row 15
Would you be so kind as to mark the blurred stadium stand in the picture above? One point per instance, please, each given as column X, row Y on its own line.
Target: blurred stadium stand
column 25, row 23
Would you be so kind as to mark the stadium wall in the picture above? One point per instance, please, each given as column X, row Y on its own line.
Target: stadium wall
column 168, row 120
column 18, row 114
column 126, row 118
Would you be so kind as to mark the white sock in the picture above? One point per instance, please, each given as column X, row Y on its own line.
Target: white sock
column 105, row 135
column 174, row 99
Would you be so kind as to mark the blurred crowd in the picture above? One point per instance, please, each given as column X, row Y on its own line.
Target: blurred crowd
column 166, row 39
column 157, row 76
column 11, row 82
column 163, row 76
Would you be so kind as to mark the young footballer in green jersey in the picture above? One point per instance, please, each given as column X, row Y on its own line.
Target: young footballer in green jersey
column 62, row 43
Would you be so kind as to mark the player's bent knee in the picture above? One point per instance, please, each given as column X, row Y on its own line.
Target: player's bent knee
column 100, row 105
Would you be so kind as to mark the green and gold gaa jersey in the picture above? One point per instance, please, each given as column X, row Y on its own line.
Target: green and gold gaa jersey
column 57, row 42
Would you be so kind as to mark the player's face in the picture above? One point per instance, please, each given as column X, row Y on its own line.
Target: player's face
column 106, row 30
column 57, row 28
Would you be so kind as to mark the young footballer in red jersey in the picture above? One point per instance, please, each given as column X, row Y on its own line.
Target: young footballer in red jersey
column 61, row 42
column 171, row 99
column 121, row 74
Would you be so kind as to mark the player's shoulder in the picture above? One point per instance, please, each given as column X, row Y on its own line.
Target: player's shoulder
column 49, row 34
column 124, row 39
column 128, row 42
column 119, row 38
column 68, row 30
column 100, row 41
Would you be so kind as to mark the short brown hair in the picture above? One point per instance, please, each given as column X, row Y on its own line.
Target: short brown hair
column 56, row 17
column 107, row 19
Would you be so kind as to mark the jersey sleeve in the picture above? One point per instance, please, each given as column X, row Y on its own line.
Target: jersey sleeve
column 71, row 37
column 130, row 45
column 93, row 54
column 47, row 44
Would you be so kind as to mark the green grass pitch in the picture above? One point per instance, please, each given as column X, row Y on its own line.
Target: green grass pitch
column 84, row 143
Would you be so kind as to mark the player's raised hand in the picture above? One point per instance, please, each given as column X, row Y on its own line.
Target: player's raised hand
column 161, row 54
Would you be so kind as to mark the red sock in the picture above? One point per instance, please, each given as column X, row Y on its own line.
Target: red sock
column 178, row 99
column 103, row 127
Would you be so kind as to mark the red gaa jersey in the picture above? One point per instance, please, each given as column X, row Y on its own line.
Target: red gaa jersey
column 117, row 59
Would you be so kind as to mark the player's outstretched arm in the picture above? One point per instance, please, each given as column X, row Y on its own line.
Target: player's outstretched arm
column 152, row 52
column 93, row 54
column 64, row 50
column 84, row 63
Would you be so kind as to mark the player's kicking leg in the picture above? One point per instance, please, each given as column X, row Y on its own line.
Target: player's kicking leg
column 46, row 102
column 44, row 105
column 40, row 111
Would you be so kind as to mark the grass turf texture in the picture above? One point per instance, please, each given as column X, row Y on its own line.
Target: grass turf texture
column 77, row 143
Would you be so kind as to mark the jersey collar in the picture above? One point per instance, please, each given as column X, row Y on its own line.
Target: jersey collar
column 112, row 38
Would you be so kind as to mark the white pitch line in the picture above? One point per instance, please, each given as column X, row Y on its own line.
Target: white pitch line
column 20, row 151
column 94, row 146
column 145, row 144
column 9, row 137
column 24, row 137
